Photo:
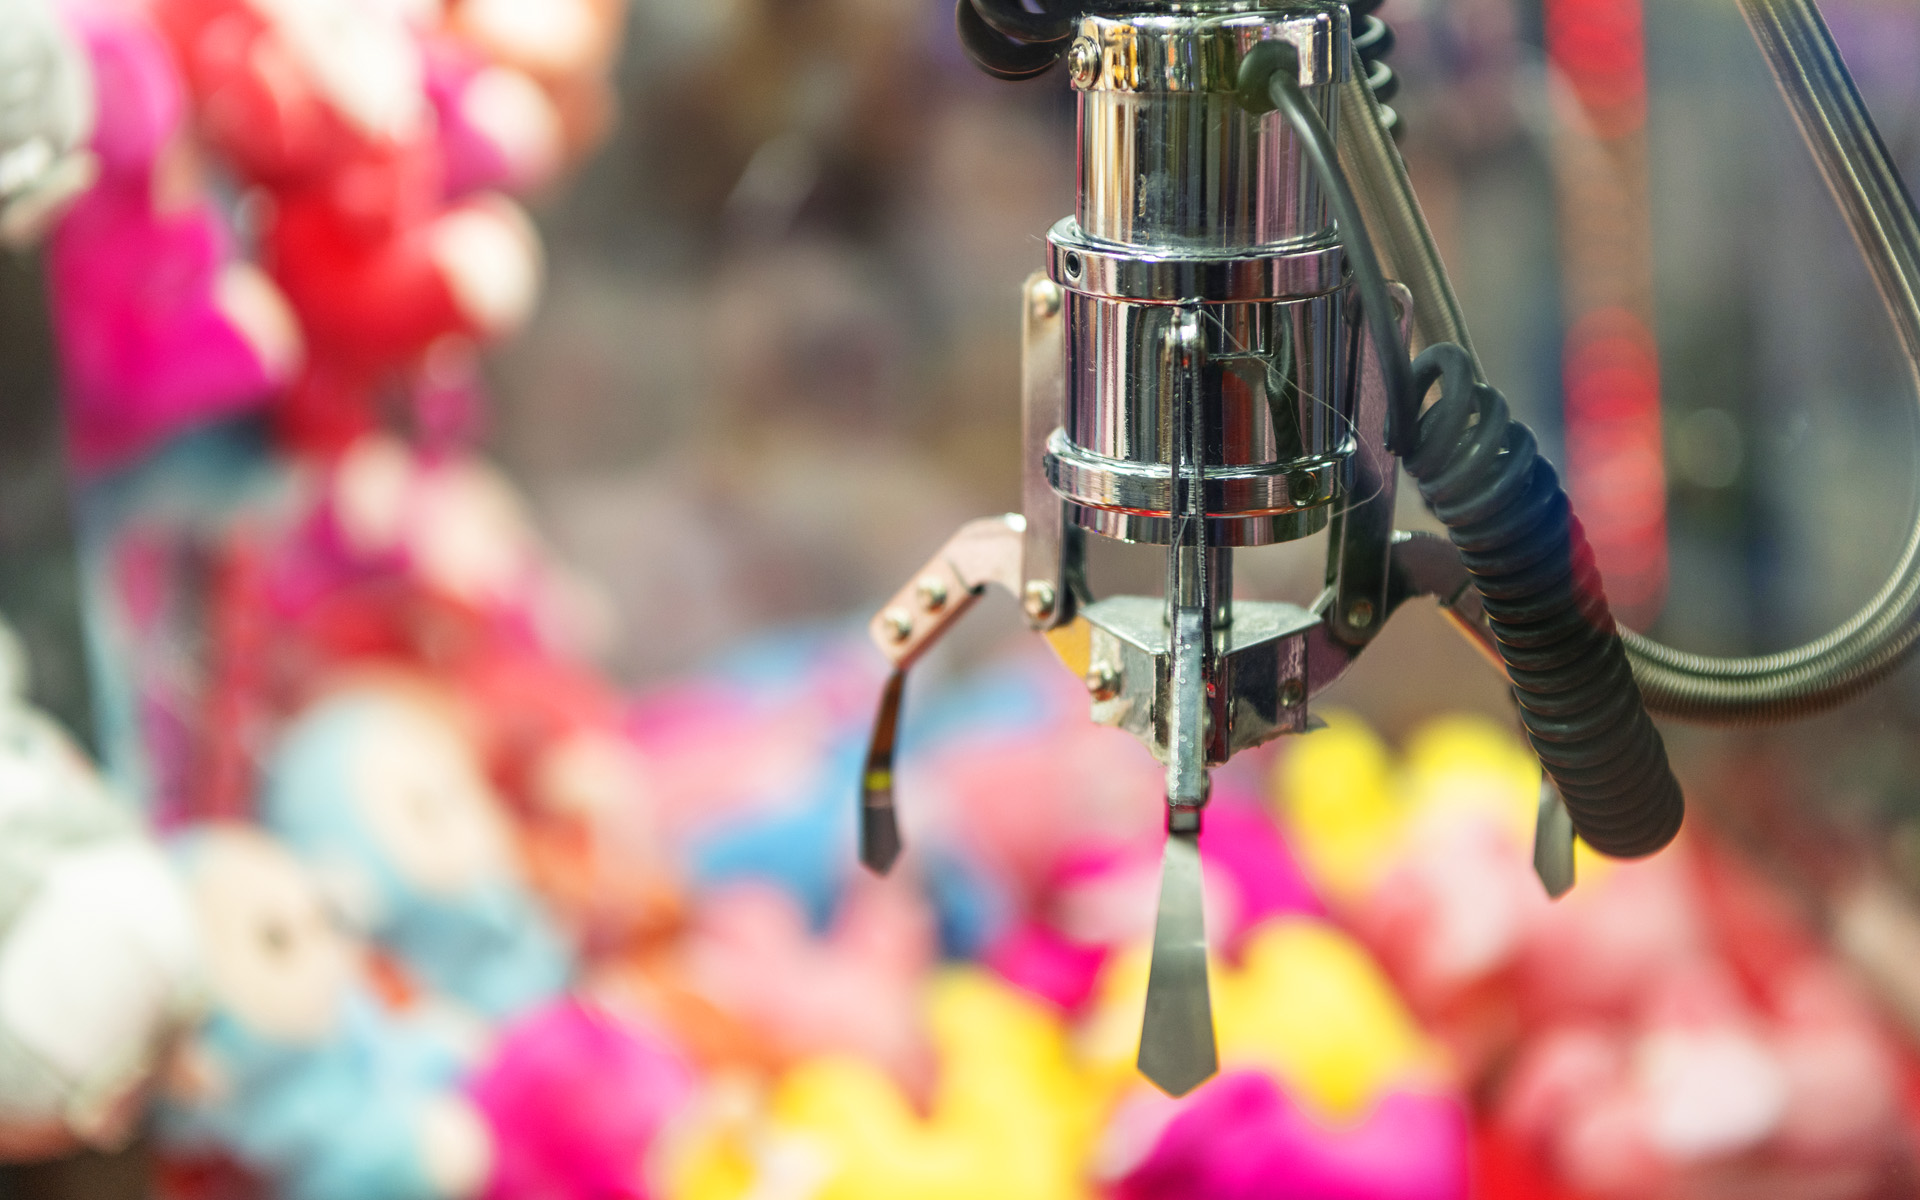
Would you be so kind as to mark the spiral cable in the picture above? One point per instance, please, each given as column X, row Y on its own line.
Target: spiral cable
column 1372, row 42
column 1481, row 474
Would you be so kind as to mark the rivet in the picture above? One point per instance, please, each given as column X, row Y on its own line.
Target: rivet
column 1044, row 296
column 1292, row 693
column 898, row 622
column 1039, row 599
column 1360, row 614
column 932, row 591
column 1103, row 681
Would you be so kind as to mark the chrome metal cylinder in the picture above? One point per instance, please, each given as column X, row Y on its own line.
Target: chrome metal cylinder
column 1188, row 201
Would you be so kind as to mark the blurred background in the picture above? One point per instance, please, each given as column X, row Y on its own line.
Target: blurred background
column 773, row 365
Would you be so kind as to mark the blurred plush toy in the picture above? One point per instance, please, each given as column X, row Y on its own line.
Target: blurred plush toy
column 323, row 103
column 454, row 525
column 99, row 963
column 1322, row 1066
column 566, row 46
column 577, row 1102
column 1243, row 1138
column 1100, row 900
column 160, row 325
column 44, row 119
column 300, row 1074
column 374, row 786
column 498, row 128
column 1653, row 1034
column 1010, row 1117
column 856, row 991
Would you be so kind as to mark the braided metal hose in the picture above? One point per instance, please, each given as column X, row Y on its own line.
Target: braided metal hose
column 1847, row 148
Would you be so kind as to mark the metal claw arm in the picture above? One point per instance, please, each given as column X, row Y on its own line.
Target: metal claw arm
column 983, row 552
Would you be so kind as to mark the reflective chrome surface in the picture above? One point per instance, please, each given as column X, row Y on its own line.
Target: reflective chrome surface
column 1153, row 275
column 1168, row 155
column 1195, row 211
column 1275, row 405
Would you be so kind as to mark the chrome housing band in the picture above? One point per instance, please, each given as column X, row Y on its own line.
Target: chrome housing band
column 1254, row 505
column 1117, row 272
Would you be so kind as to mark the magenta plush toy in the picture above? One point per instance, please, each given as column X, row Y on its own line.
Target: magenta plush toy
column 161, row 326
column 577, row 1101
column 1242, row 1138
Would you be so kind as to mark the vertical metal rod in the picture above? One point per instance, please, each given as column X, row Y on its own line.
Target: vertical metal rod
column 1177, row 1049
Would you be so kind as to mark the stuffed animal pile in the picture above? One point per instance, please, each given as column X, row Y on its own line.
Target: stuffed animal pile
column 387, row 895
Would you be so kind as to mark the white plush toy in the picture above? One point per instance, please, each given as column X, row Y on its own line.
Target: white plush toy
column 99, row 959
column 46, row 113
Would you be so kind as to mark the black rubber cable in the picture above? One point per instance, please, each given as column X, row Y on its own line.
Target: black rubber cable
column 998, row 52
column 1266, row 67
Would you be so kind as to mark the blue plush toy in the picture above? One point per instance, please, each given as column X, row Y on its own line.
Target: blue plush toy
column 298, row 1074
column 376, row 790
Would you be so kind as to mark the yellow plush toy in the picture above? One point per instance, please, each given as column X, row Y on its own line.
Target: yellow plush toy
column 1352, row 813
column 1306, row 1006
column 1011, row 1118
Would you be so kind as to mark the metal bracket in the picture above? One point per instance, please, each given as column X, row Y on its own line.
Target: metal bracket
column 984, row 551
column 1360, row 544
column 1053, row 550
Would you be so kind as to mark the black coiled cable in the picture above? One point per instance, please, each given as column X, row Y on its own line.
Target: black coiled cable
column 1481, row 473
column 1373, row 41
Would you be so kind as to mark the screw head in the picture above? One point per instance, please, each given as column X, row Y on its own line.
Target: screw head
column 1044, row 296
column 932, row 593
column 1360, row 614
column 898, row 623
column 1292, row 693
column 1039, row 599
column 1103, row 681
column 1083, row 62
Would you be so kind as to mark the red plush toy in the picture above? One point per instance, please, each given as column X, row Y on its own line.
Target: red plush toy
column 324, row 105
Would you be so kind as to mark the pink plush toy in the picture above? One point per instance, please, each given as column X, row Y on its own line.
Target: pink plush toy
column 576, row 1102
column 1242, row 1138
column 1101, row 899
column 855, row 992
column 324, row 104
column 160, row 325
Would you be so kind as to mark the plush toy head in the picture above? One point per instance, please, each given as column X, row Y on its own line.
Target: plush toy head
column 99, row 965
column 299, row 1074
column 44, row 119
column 376, row 788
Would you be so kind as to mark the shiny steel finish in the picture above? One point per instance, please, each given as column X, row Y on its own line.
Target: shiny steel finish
column 1195, row 212
column 1135, row 273
column 1276, row 410
column 1169, row 157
